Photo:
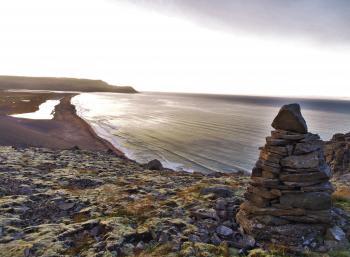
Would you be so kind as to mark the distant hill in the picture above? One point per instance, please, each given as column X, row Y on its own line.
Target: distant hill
column 60, row 84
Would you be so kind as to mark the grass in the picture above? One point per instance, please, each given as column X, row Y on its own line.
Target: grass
column 341, row 198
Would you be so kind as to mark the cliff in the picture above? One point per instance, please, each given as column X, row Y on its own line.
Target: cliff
column 61, row 84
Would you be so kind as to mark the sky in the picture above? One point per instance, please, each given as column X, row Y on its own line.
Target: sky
column 256, row 47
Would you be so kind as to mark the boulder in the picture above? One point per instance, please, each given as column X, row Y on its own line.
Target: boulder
column 154, row 165
column 224, row 231
column 289, row 118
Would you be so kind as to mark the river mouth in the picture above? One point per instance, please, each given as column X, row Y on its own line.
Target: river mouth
column 46, row 111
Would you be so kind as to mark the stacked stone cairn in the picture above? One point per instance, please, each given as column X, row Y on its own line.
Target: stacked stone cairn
column 288, row 201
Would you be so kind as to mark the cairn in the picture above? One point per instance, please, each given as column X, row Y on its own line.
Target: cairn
column 288, row 201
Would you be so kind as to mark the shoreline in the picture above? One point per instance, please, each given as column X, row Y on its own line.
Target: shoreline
column 66, row 130
column 66, row 101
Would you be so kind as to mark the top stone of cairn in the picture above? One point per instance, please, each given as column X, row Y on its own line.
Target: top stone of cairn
column 289, row 118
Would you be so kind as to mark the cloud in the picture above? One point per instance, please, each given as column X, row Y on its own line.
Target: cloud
column 318, row 20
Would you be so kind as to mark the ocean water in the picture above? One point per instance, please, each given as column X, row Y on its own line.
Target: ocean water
column 196, row 132
column 46, row 111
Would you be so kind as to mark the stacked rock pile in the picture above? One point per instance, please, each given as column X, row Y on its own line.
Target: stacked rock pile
column 288, row 200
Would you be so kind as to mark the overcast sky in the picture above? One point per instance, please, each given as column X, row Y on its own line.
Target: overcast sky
column 260, row 47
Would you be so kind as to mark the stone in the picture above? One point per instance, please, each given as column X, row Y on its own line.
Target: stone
column 310, row 160
column 66, row 206
column 251, row 208
column 154, row 165
column 310, row 201
column 304, row 177
column 336, row 233
column 276, row 141
column 258, row 181
column 289, row 118
column 308, row 147
column 326, row 186
column 224, row 231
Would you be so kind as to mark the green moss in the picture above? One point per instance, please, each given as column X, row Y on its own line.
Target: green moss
column 262, row 253
column 157, row 250
column 343, row 204
column 190, row 249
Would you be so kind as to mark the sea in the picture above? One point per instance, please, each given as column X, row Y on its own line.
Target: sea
column 198, row 132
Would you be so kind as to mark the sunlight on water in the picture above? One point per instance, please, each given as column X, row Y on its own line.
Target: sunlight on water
column 199, row 132
column 46, row 111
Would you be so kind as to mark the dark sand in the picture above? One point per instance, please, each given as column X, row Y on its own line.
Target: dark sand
column 66, row 130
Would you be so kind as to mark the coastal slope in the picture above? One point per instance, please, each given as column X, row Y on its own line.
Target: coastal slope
column 60, row 84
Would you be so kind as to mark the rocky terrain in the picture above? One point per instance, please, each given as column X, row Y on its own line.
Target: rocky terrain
column 84, row 203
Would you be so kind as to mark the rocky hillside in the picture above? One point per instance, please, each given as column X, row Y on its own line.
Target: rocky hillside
column 83, row 203
column 61, row 84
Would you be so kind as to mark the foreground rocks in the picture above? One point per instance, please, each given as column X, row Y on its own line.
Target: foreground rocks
column 82, row 203
column 288, row 201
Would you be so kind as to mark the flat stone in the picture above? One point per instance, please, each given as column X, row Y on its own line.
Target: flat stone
column 289, row 118
column 272, row 220
column 307, row 147
column 290, row 185
column 250, row 208
column 278, row 134
column 66, row 206
column 304, row 177
column 310, row 160
column 309, row 201
column 326, row 186
column 259, row 181
column 276, row 141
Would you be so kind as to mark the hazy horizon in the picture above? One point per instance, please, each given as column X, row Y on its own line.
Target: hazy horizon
column 261, row 48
